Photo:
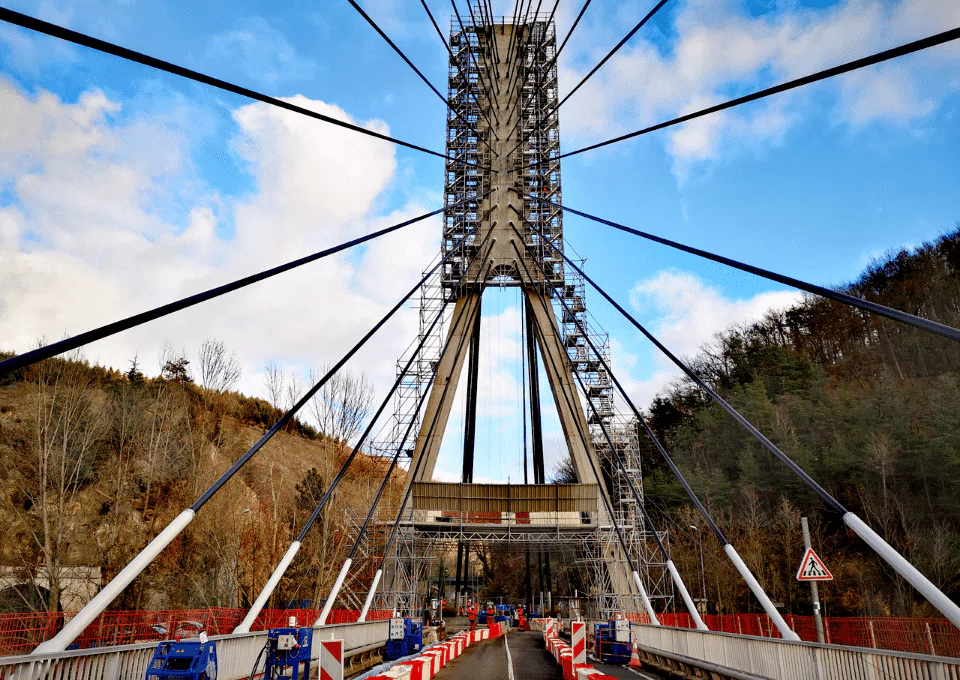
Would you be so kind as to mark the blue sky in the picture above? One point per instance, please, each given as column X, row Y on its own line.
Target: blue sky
column 121, row 188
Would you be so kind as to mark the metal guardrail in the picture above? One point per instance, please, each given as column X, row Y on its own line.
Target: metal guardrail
column 685, row 667
column 235, row 655
column 783, row 660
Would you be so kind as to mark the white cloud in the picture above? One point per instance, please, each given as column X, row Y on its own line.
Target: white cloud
column 690, row 312
column 720, row 50
column 687, row 313
column 263, row 52
column 28, row 53
column 886, row 93
column 85, row 237
column 641, row 391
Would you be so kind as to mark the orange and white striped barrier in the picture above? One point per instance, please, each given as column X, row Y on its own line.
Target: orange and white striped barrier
column 436, row 657
column 331, row 660
column 429, row 663
column 566, row 662
column 574, row 668
column 398, row 672
column 578, row 642
column 420, row 669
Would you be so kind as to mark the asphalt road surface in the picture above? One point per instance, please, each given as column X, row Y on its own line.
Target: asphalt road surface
column 528, row 658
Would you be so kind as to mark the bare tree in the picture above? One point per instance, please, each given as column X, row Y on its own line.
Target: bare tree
column 564, row 472
column 219, row 370
column 68, row 423
column 342, row 405
column 293, row 392
column 274, row 380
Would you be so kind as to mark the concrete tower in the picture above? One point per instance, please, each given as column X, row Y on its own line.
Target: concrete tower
column 503, row 96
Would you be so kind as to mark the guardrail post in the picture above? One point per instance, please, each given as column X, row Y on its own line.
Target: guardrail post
column 111, row 669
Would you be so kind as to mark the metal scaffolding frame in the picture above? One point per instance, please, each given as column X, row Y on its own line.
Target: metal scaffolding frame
column 414, row 556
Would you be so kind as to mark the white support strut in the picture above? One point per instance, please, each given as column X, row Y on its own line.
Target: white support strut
column 268, row 589
column 923, row 585
column 687, row 600
column 333, row 594
column 646, row 600
column 760, row 595
column 102, row 600
column 369, row 600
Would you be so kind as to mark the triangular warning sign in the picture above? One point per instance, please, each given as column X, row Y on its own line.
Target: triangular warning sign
column 812, row 568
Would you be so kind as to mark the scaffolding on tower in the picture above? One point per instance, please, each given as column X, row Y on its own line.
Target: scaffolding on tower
column 425, row 538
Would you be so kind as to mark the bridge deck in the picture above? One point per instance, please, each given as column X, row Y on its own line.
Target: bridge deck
column 531, row 661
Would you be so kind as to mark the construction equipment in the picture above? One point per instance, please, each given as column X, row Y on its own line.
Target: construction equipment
column 405, row 638
column 611, row 642
column 287, row 648
column 193, row 660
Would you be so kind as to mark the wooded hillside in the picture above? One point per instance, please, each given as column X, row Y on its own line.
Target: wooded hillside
column 869, row 407
column 94, row 462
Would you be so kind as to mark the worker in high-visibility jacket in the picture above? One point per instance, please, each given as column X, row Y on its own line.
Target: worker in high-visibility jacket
column 521, row 621
column 472, row 614
column 491, row 612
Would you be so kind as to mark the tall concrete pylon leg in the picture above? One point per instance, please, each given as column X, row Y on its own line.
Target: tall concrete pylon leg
column 559, row 372
column 444, row 388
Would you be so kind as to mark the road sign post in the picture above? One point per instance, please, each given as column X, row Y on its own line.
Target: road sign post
column 814, row 592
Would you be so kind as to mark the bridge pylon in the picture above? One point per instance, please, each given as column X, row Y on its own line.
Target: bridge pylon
column 502, row 148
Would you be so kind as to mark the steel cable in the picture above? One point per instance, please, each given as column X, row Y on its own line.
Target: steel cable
column 879, row 57
column 620, row 44
column 22, row 360
column 415, row 69
column 746, row 424
column 606, row 434
column 412, row 474
column 68, row 35
column 844, row 298
column 453, row 60
column 292, row 411
column 386, row 401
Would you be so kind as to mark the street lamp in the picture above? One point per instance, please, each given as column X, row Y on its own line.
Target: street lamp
column 703, row 571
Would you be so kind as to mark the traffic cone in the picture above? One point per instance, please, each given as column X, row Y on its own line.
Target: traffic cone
column 634, row 655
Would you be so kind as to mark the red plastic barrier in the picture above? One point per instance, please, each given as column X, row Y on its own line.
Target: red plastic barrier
column 21, row 632
column 901, row 634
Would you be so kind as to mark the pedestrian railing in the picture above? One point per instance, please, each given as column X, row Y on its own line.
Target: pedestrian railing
column 783, row 660
column 933, row 636
column 236, row 655
column 21, row 632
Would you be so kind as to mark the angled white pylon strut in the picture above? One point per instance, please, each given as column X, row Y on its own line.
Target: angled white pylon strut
column 268, row 589
column 646, row 600
column 369, row 600
column 687, row 600
column 923, row 585
column 760, row 595
column 333, row 593
column 102, row 600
